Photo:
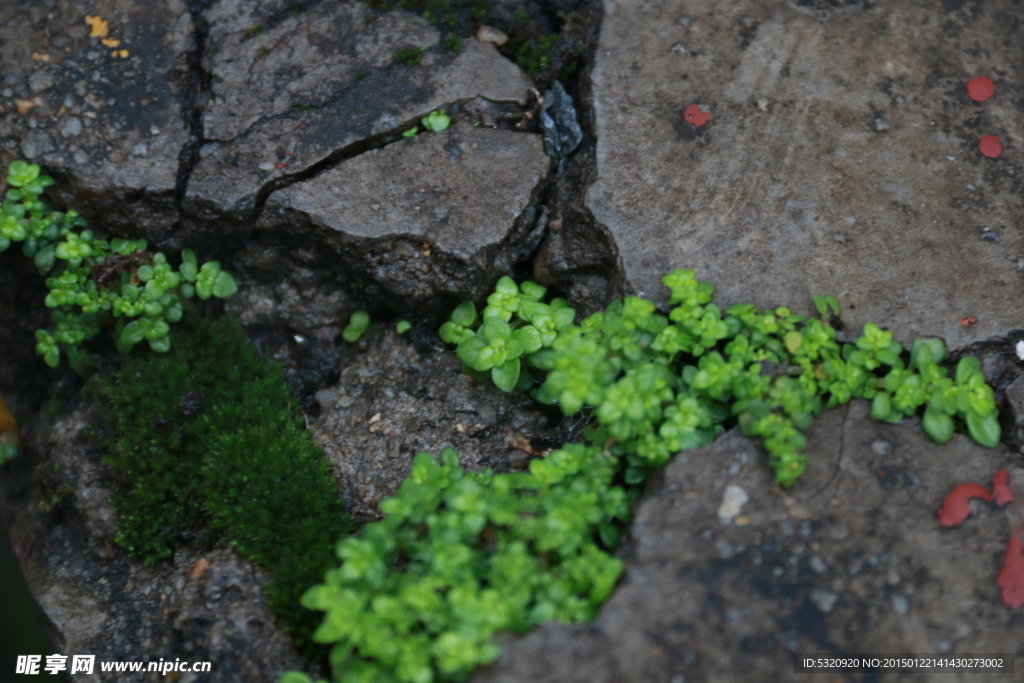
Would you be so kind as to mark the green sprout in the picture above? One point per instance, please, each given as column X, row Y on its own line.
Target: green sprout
column 358, row 323
column 436, row 121
column 403, row 326
column 411, row 133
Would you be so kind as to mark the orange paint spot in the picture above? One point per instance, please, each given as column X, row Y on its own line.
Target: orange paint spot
column 990, row 145
column 968, row 321
column 1001, row 488
column 281, row 164
column 1011, row 576
column 980, row 88
column 957, row 506
column 694, row 115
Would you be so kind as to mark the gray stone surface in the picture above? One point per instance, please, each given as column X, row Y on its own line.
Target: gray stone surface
column 393, row 401
column 370, row 100
column 108, row 127
column 439, row 213
column 852, row 559
column 840, row 157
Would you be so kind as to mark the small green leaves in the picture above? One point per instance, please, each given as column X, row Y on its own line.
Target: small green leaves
column 824, row 303
column 358, row 323
column 486, row 553
column 985, row 430
column 403, row 326
column 97, row 277
column 411, row 133
column 436, row 121
column 506, row 375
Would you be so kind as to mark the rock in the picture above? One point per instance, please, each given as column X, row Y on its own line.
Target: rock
column 852, row 583
column 208, row 605
column 335, row 90
column 122, row 99
column 394, row 401
column 562, row 132
column 870, row 133
column 439, row 214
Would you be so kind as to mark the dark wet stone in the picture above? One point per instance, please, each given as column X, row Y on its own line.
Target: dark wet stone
column 422, row 221
column 694, row 604
column 104, row 120
column 334, row 90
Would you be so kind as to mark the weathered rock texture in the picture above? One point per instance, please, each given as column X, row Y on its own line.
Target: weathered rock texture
column 104, row 119
column 852, row 559
column 320, row 86
column 394, row 401
column 840, row 157
column 439, row 213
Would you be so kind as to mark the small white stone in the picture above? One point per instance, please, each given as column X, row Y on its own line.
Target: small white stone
column 1020, row 349
column 733, row 501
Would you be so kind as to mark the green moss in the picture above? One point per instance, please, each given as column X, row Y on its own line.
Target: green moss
column 209, row 447
column 410, row 57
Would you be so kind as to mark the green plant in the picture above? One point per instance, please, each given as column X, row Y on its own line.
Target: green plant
column 403, row 326
column 662, row 383
column 411, row 133
column 452, row 43
column 94, row 281
column 459, row 557
column 436, row 121
column 358, row 323
column 410, row 56
column 207, row 443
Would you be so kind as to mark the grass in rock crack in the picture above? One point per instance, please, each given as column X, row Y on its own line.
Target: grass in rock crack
column 208, row 445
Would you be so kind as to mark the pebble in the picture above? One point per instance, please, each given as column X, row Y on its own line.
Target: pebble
column 733, row 501
column 71, row 127
column 489, row 34
column 823, row 599
column 881, row 447
column 818, row 565
column 40, row 80
column 35, row 144
column 990, row 235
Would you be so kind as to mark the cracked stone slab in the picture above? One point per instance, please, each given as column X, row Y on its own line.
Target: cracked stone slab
column 331, row 87
column 851, row 559
column 440, row 213
column 840, row 157
column 103, row 119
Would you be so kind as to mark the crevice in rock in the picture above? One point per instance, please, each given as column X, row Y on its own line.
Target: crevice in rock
column 578, row 256
column 347, row 152
column 196, row 88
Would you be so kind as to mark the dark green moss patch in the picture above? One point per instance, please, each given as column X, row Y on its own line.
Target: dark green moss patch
column 209, row 445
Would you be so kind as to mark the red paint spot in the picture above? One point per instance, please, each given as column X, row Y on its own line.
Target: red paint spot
column 1011, row 576
column 990, row 145
column 1001, row 488
column 980, row 88
column 694, row 115
column 281, row 165
column 968, row 321
column 957, row 506
column 288, row 153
